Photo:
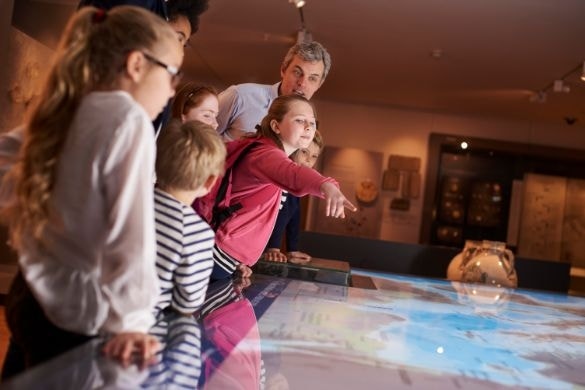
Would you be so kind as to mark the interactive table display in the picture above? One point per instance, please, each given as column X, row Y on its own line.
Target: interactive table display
column 410, row 333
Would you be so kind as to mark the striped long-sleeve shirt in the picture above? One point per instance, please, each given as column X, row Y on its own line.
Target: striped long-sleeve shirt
column 178, row 363
column 183, row 256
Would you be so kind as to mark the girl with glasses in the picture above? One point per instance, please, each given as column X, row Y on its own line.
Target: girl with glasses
column 82, row 219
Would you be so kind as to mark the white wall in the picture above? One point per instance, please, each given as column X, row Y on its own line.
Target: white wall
column 406, row 132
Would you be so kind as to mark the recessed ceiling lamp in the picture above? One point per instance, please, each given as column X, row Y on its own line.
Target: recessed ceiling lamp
column 583, row 72
column 297, row 3
column 437, row 53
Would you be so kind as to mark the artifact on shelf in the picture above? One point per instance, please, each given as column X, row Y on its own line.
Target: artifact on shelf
column 366, row 191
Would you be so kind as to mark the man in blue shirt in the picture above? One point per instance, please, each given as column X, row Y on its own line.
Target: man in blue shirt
column 242, row 106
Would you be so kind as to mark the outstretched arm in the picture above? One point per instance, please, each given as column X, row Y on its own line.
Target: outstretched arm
column 336, row 202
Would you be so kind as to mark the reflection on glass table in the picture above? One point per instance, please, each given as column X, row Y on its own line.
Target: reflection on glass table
column 232, row 340
column 410, row 333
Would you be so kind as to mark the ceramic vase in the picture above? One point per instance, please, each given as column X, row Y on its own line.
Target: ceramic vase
column 455, row 270
column 491, row 264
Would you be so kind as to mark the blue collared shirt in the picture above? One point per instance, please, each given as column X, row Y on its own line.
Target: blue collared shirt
column 242, row 107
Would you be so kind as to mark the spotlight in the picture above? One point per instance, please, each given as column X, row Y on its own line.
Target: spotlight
column 560, row 86
column 297, row 3
column 583, row 72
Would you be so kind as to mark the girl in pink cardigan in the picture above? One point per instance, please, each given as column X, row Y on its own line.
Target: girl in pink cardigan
column 257, row 183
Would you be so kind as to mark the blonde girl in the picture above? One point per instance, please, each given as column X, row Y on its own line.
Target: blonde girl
column 289, row 215
column 82, row 220
column 257, row 183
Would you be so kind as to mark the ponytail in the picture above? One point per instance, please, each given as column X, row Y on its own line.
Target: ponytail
column 48, row 126
column 91, row 54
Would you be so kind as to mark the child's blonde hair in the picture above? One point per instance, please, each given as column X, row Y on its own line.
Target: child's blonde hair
column 187, row 155
column 278, row 109
column 317, row 140
column 189, row 96
column 91, row 55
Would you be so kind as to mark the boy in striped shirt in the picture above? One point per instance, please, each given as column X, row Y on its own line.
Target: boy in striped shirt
column 190, row 157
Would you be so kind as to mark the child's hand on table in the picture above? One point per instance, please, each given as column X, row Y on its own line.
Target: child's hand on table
column 297, row 257
column 132, row 347
column 274, row 254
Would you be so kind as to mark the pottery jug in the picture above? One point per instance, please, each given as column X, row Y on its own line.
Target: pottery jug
column 455, row 270
column 490, row 264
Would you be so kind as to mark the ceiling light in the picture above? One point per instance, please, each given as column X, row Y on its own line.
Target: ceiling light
column 437, row 53
column 297, row 3
column 558, row 85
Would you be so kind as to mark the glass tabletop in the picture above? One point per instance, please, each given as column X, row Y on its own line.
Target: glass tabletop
column 291, row 334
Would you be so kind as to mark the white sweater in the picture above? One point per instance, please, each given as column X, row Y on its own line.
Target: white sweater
column 96, row 272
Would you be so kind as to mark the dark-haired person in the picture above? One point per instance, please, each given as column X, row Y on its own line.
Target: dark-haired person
column 182, row 15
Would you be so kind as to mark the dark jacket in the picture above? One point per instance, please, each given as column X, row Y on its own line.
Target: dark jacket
column 289, row 219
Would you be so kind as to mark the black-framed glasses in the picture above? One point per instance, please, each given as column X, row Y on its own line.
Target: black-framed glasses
column 175, row 72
